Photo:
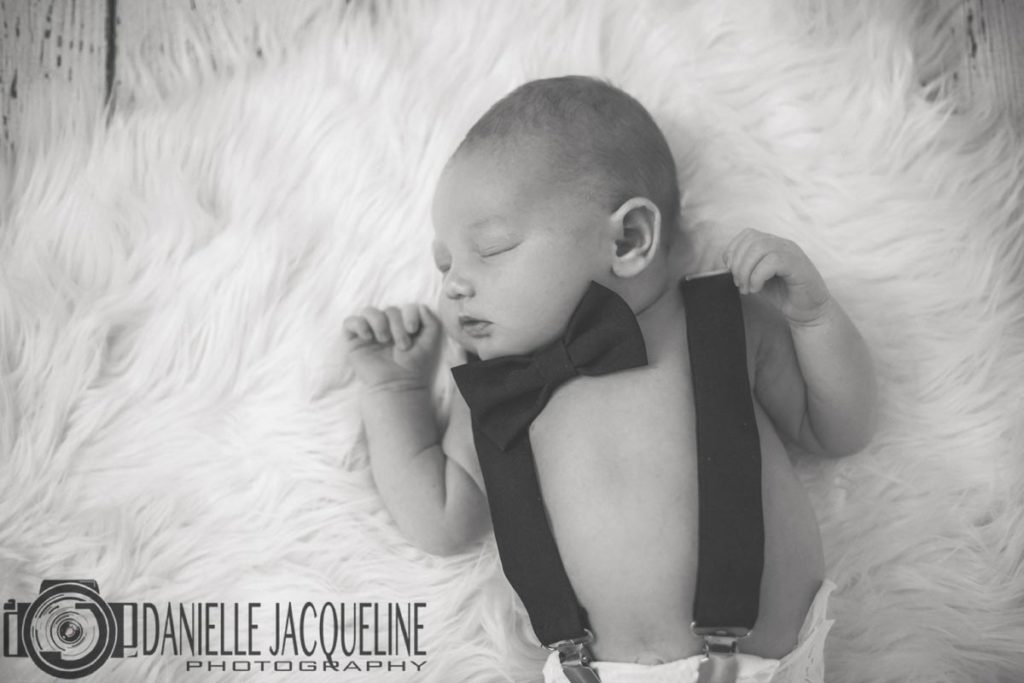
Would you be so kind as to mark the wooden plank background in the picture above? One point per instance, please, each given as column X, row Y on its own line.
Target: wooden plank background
column 83, row 44
column 994, row 31
column 45, row 42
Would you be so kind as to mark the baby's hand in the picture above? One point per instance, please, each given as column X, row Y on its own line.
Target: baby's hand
column 393, row 348
column 759, row 260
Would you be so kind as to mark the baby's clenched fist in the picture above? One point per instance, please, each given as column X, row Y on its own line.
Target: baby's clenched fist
column 760, row 261
column 396, row 347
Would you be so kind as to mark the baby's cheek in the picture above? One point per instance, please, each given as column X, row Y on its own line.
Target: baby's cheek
column 449, row 321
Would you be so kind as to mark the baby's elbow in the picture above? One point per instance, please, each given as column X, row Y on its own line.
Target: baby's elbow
column 864, row 421
column 852, row 428
column 445, row 545
column 452, row 540
column 844, row 449
column 863, row 431
column 441, row 546
column 837, row 444
column 852, row 442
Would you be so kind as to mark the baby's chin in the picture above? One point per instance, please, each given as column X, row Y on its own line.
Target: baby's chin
column 480, row 348
column 498, row 343
column 484, row 348
column 494, row 347
column 469, row 344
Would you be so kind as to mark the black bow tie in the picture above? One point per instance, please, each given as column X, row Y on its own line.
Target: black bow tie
column 505, row 394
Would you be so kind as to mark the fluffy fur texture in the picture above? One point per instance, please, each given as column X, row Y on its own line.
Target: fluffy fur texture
column 177, row 419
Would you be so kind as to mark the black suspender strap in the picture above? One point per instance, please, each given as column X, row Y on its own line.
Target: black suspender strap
column 529, row 554
column 731, row 520
column 526, row 545
column 731, row 525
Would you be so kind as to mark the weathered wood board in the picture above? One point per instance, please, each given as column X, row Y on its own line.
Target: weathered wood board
column 95, row 43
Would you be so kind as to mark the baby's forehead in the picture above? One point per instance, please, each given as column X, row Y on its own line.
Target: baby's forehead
column 480, row 228
column 511, row 163
column 488, row 183
column 524, row 174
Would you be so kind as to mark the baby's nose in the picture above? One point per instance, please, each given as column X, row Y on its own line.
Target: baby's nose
column 457, row 287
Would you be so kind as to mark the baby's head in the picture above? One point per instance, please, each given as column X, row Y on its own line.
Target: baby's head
column 562, row 181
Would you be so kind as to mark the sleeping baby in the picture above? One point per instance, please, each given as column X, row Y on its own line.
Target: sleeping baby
column 563, row 189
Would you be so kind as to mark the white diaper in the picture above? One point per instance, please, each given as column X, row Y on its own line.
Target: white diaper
column 805, row 664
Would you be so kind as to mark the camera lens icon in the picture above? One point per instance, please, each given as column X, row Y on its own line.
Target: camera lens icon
column 69, row 631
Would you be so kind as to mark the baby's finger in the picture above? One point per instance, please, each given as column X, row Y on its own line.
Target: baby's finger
column 764, row 270
column 411, row 318
column 378, row 323
column 431, row 322
column 729, row 255
column 355, row 326
column 394, row 316
column 734, row 252
column 749, row 253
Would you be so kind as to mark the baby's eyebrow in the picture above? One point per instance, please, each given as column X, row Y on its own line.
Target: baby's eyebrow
column 476, row 226
column 485, row 222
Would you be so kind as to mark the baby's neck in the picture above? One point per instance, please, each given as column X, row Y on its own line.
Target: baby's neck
column 659, row 303
column 664, row 305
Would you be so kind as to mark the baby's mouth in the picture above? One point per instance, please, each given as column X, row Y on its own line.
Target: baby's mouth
column 474, row 327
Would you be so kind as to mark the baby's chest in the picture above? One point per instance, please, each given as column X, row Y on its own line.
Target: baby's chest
column 606, row 433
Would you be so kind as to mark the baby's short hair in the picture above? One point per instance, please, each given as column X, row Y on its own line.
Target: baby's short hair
column 593, row 130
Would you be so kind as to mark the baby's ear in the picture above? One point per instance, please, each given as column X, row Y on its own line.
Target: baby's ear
column 636, row 226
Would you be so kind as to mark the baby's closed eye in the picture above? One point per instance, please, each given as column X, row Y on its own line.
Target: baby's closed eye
column 496, row 249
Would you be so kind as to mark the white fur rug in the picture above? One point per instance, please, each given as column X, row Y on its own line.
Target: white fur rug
column 177, row 420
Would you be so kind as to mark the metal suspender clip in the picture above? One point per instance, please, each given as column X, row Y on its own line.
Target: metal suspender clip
column 575, row 657
column 718, row 664
column 720, row 639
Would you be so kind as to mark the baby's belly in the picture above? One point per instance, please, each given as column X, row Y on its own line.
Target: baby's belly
column 618, row 472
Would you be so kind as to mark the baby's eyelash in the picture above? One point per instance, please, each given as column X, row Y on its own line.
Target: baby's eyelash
column 483, row 254
column 498, row 251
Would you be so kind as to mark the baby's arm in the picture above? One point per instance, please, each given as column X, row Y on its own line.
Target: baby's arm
column 814, row 374
column 437, row 505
